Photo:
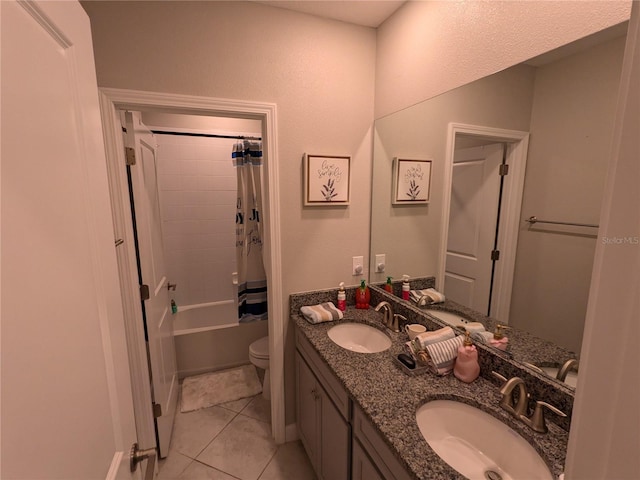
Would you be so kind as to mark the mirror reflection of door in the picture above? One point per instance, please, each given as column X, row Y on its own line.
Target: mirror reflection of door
column 473, row 223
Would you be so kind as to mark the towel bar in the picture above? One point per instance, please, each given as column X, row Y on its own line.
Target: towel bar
column 533, row 219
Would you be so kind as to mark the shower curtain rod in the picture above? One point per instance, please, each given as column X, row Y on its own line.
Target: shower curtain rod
column 208, row 135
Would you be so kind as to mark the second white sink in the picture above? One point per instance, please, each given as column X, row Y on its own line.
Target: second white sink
column 359, row 337
column 476, row 444
column 453, row 319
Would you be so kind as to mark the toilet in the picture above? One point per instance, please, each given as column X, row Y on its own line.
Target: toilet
column 259, row 356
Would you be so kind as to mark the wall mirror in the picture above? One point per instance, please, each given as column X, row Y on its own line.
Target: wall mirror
column 564, row 102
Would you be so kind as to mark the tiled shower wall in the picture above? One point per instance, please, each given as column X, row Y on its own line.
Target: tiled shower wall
column 197, row 185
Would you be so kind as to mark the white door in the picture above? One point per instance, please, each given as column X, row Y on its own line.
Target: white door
column 67, row 407
column 157, row 308
column 475, row 189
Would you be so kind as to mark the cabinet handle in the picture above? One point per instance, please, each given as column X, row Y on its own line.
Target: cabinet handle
column 314, row 393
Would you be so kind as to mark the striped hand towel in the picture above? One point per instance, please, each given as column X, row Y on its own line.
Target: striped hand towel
column 427, row 338
column 431, row 293
column 442, row 355
column 323, row 312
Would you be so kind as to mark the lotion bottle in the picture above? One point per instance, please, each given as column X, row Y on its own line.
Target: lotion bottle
column 499, row 340
column 405, row 287
column 466, row 367
column 342, row 298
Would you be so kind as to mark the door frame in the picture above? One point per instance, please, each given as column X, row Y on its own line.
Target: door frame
column 517, row 144
column 111, row 101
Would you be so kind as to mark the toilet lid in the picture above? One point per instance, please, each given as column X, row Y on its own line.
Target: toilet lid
column 260, row 348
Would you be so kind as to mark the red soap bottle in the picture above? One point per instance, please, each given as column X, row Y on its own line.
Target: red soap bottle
column 362, row 296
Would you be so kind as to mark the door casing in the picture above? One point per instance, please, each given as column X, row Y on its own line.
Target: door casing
column 517, row 144
column 111, row 101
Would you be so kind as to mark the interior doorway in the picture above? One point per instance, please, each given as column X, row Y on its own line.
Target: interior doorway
column 458, row 272
column 114, row 100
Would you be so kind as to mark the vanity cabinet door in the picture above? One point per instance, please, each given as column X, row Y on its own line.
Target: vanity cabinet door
column 335, row 436
column 362, row 468
column 306, row 410
column 324, row 432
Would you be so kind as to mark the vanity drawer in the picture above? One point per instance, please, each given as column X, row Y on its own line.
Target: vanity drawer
column 376, row 448
column 330, row 383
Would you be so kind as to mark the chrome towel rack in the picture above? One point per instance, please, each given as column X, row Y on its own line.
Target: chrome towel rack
column 533, row 220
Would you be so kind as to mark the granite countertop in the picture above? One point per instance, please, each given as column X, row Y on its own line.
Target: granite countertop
column 389, row 397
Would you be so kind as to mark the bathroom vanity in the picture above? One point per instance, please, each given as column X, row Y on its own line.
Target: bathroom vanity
column 356, row 412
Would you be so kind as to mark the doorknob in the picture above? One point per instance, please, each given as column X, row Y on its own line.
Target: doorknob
column 171, row 286
column 136, row 456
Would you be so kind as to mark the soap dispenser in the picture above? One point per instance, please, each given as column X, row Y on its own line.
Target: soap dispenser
column 388, row 286
column 342, row 298
column 466, row 367
column 405, row 287
column 499, row 340
column 362, row 296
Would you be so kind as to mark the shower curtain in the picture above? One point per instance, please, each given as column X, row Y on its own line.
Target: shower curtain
column 252, row 280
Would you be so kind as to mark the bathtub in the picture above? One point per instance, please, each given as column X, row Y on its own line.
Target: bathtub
column 208, row 337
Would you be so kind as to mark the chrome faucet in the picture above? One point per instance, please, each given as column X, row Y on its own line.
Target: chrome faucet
column 566, row 368
column 520, row 408
column 389, row 320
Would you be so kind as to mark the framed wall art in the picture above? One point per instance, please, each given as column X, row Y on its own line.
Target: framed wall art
column 411, row 181
column 326, row 180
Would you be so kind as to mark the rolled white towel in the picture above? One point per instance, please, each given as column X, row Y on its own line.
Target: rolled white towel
column 431, row 293
column 323, row 312
column 442, row 355
column 427, row 338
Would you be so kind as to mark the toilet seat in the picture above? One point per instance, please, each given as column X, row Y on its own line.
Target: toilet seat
column 260, row 348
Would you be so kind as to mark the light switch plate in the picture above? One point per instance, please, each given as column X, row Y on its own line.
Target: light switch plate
column 380, row 262
column 358, row 268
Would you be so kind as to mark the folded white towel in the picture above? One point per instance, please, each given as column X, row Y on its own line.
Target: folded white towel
column 431, row 293
column 442, row 355
column 427, row 338
column 323, row 312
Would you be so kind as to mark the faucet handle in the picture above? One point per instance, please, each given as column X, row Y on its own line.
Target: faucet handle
column 537, row 421
column 499, row 376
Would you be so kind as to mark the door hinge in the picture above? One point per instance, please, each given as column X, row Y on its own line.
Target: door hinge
column 495, row 254
column 144, row 292
column 130, row 155
column 157, row 410
column 504, row 169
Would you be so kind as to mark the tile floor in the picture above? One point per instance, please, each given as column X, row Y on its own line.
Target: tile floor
column 232, row 441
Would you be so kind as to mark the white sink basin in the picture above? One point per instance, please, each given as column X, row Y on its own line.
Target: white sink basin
column 359, row 337
column 473, row 442
column 453, row 319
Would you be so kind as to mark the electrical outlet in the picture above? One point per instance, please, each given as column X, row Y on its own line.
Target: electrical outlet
column 358, row 268
column 380, row 262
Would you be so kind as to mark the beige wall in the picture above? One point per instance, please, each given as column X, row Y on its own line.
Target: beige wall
column 605, row 442
column 573, row 113
column 410, row 235
column 427, row 48
column 319, row 72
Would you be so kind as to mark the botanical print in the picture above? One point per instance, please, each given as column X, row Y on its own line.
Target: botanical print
column 411, row 181
column 327, row 180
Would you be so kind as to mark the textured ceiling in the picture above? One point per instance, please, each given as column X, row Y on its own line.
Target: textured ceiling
column 360, row 12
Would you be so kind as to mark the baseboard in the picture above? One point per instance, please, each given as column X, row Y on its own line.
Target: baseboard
column 291, row 432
